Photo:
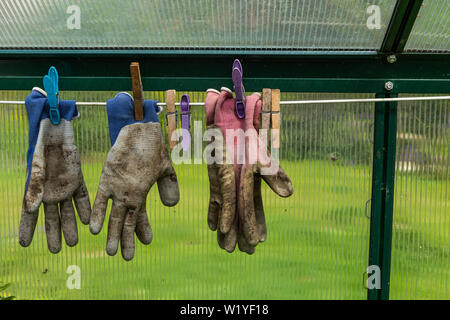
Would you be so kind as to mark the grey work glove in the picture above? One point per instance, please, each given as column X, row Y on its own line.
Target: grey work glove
column 138, row 158
column 54, row 175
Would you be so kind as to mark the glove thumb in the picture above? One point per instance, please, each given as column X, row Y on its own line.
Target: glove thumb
column 279, row 182
column 167, row 181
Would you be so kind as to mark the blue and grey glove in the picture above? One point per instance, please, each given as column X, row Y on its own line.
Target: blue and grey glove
column 138, row 158
column 54, row 175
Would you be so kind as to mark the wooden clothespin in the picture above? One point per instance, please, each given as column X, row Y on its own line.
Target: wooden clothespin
column 171, row 116
column 266, row 106
column 138, row 94
column 276, row 118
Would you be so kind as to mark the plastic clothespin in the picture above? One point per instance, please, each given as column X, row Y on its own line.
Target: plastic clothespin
column 185, row 120
column 171, row 116
column 52, row 89
column 238, row 88
column 138, row 94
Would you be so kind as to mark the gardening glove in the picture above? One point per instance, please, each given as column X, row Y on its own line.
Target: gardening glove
column 138, row 158
column 54, row 174
column 221, row 208
column 236, row 209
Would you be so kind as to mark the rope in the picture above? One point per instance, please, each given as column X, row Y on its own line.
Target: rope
column 294, row 102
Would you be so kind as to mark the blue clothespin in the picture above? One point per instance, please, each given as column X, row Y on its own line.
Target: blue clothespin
column 52, row 89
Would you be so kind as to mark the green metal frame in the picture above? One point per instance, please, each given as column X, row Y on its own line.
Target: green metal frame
column 402, row 21
column 412, row 73
column 295, row 71
column 385, row 129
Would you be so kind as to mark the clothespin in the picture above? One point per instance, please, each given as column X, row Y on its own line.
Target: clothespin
column 266, row 107
column 52, row 89
column 238, row 89
column 276, row 118
column 171, row 116
column 185, row 120
column 138, row 94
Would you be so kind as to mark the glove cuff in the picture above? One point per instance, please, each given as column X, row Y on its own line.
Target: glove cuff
column 212, row 90
column 120, row 110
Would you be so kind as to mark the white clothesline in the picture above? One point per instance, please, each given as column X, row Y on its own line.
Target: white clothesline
column 294, row 102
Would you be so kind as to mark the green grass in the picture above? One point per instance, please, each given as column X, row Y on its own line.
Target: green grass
column 317, row 247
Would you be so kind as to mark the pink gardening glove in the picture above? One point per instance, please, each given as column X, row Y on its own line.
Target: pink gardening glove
column 236, row 209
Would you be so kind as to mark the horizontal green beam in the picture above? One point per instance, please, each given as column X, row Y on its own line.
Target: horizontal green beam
column 32, row 53
column 412, row 73
column 252, row 84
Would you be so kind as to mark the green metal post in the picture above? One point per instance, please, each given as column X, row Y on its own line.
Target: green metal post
column 385, row 128
column 377, row 187
column 391, row 137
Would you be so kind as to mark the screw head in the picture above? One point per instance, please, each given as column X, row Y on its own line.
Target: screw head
column 389, row 85
column 392, row 58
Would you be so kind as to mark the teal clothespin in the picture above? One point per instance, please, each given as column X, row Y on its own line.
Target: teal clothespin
column 51, row 87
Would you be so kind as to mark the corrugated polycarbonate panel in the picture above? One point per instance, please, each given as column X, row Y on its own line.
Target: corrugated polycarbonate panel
column 318, row 239
column 194, row 24
column 421, row 229
column 431, row 31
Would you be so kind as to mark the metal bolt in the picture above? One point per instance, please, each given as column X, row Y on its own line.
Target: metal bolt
column 392, row 58
column 389, row 85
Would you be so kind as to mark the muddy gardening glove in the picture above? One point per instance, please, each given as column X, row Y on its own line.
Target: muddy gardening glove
column 138, row 158
column 236, row 209
column 54, row 175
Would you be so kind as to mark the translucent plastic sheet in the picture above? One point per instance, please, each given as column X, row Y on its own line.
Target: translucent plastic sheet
column 431, row 31
column 318, row 239
column 194, row 24
column 421, row 229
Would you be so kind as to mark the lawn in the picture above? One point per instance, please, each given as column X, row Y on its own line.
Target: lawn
column 317, row 246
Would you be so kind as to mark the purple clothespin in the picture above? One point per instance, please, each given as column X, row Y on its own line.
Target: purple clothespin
column 238, row 89
column 185, row 121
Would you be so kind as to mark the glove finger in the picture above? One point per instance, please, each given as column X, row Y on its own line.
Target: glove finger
column 228, row 191
column 99, row 209
column 168, row 187
column 215, row 199
column 243, row 245
column 82, row 203
column 227, row 241
column 69, row 222
column 143, row 229
column 52, row 227
column 115, row 227
column 27, row 226
column 246, row 206
column 279, row 183
column 127, row 240
column 35, row 189
column 167, row 181
column 259, row 210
